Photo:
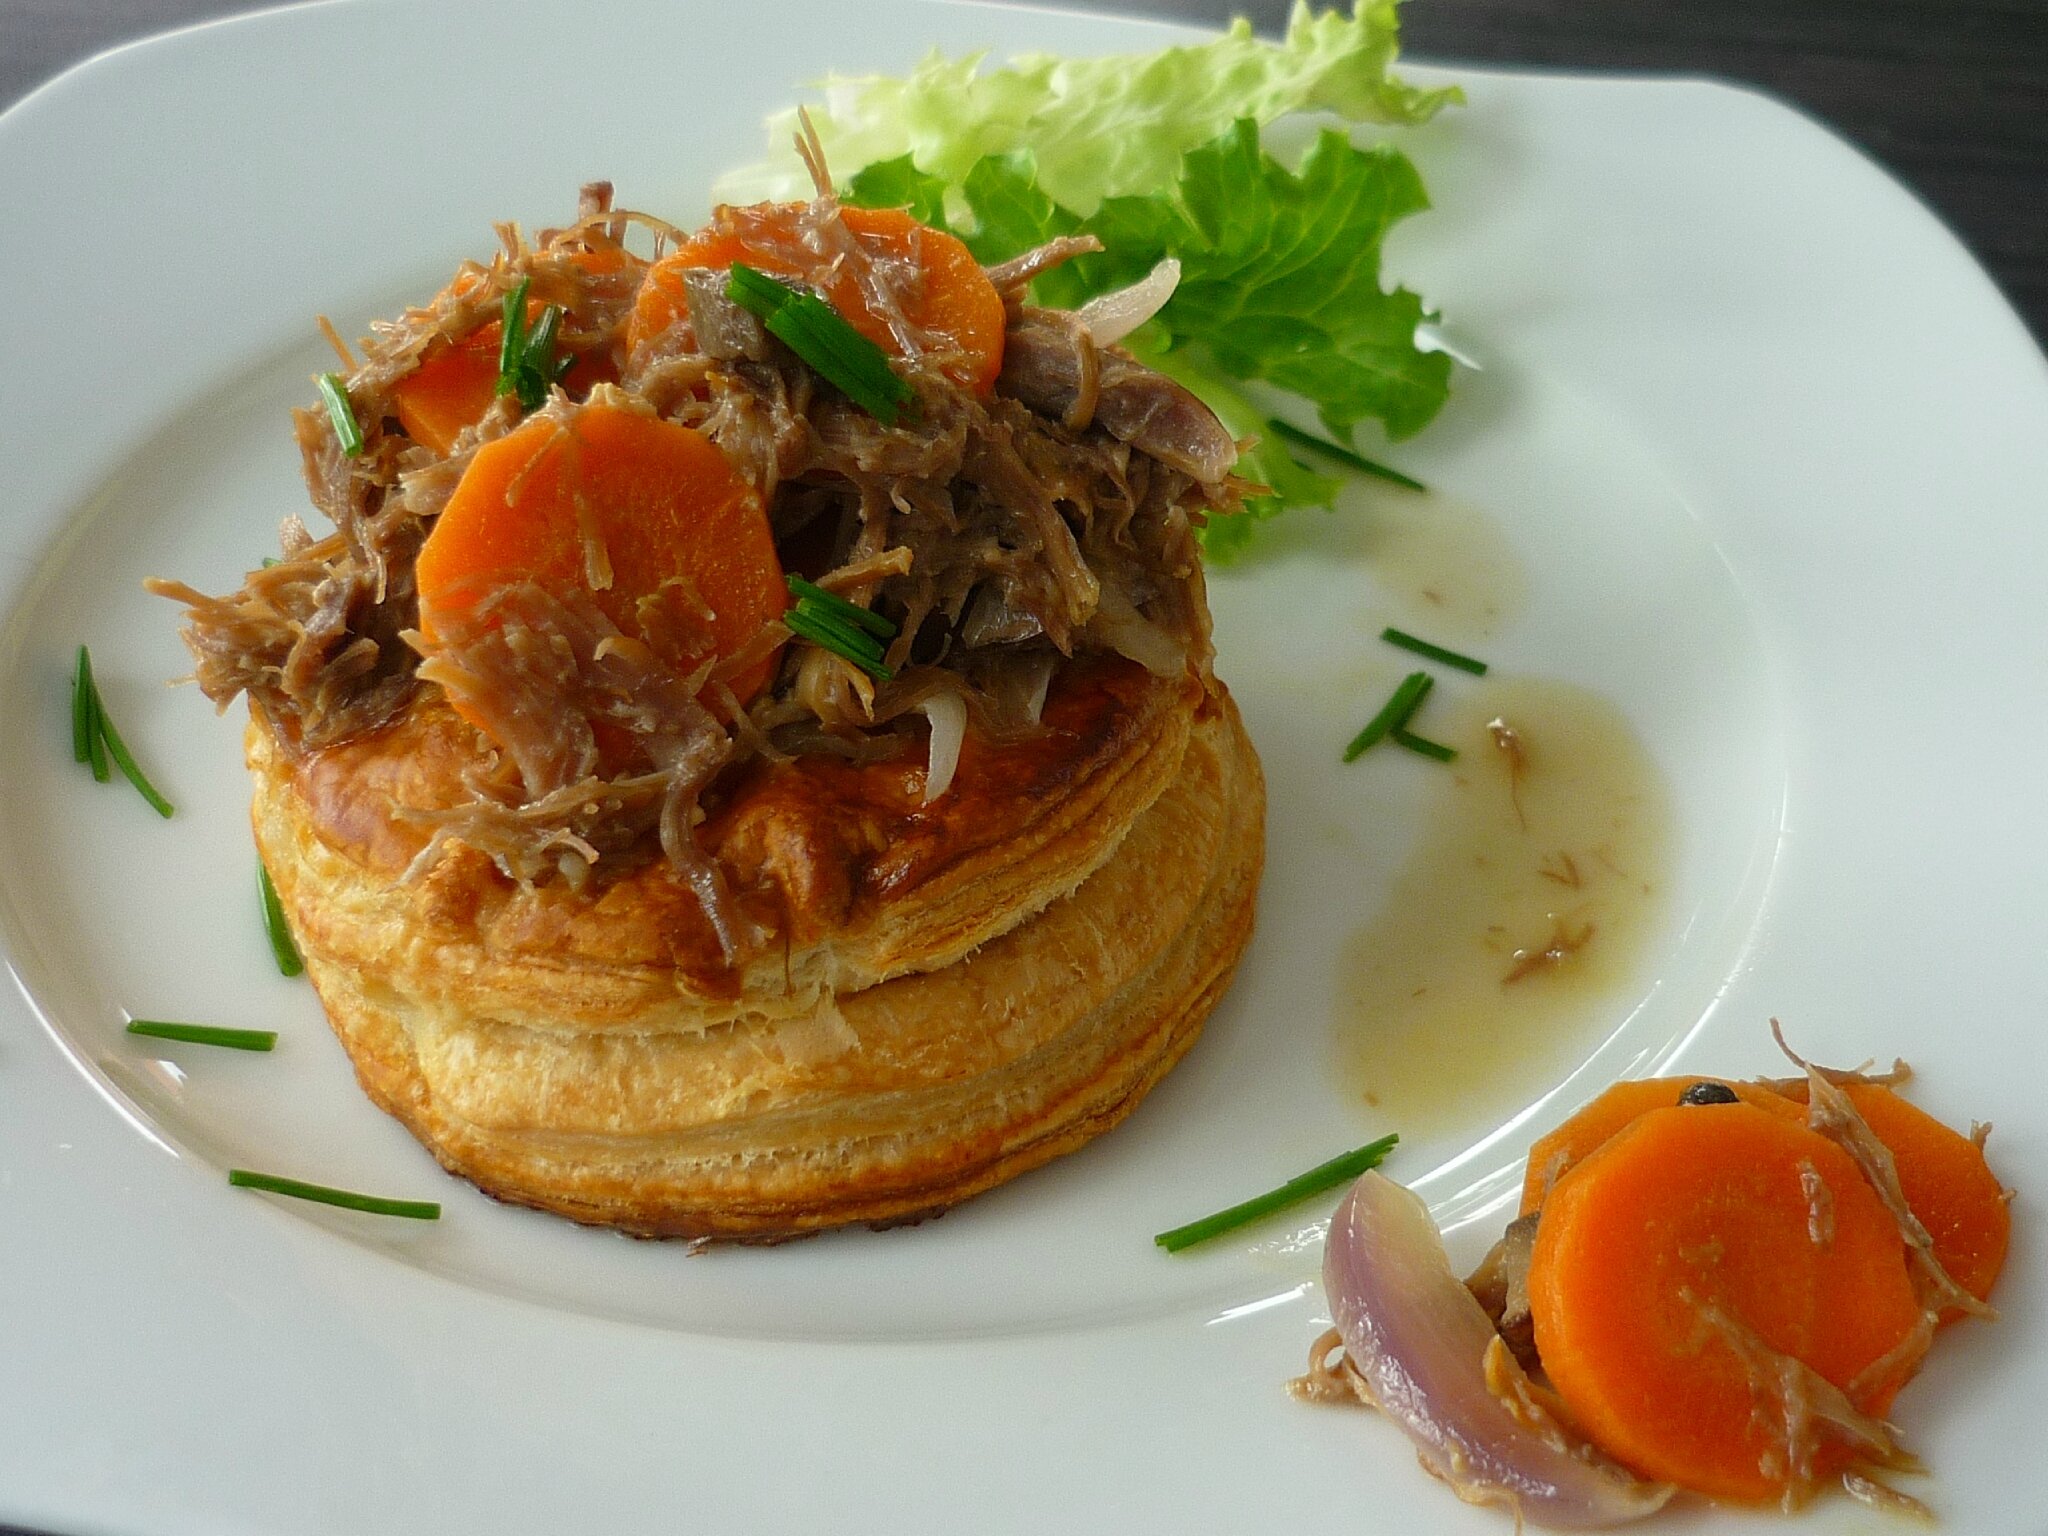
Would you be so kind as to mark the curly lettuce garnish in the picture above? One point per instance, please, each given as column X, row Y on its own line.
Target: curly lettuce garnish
column 1104, row 127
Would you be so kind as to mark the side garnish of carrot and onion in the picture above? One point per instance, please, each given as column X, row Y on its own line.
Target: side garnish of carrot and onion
column 1713, row 1286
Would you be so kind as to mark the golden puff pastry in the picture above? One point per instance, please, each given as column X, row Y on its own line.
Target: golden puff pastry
column 958, row 992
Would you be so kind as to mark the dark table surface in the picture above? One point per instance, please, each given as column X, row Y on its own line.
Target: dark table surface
column 1952, row 95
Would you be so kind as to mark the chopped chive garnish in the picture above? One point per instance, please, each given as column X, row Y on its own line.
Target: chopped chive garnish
column 1408, row 642
column 275, row 928
column 125, row 760
column 205, row 1034
column 853, row 613
column 81, row 709
column 821, row 336
column 527, row 365
column 1325, row 1176
column 755, row 291
column 1422, row 744
column 341, row 413
column 512, row 335
column 843, row 628
column 855, row 644
column 837, row 638
column 348, row 1200
column 1393, row 714
column 94, row 738
column 1343, row 455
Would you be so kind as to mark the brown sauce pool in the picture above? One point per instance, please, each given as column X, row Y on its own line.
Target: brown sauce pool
column 1513, row 938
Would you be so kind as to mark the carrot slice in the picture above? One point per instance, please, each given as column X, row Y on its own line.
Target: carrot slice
column 955, row 303
column 659, row 500
column 1693, row 1214
column 456, row 381
column 1946, row 1182
column 1571, row 1143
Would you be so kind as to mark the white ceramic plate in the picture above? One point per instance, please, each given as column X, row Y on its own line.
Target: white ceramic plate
column 1758, row 456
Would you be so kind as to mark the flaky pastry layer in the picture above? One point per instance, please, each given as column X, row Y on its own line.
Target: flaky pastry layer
column 1070, row 960
column 858, row 879
column 882, row 1106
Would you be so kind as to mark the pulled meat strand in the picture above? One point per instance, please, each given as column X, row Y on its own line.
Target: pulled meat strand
column 1010, row 278
column 1798, row 1409
column 1052, row 363
column 1834, row 1115
column 542, row 675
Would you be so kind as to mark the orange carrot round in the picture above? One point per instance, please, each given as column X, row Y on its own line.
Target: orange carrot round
column 660, row 500
column 456, row 381
column 1946, row 1182
column 1571, row 1143
column 954, row 302
column 1689, row 1229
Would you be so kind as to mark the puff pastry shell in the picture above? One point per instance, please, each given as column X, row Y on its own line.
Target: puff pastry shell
column 955, row 993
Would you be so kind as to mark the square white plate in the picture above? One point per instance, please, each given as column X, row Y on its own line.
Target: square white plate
column 1761, row 452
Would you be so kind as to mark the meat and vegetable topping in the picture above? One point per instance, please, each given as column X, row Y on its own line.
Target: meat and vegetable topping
column 574, row 492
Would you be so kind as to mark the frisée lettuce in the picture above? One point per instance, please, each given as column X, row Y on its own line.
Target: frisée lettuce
column 1100, row 127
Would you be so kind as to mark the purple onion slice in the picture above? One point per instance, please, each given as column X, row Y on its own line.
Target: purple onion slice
column 1416, row 1344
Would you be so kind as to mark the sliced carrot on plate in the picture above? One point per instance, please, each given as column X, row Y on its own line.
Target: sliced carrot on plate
column 1553, row 1155
column 1946, row 1182
column 1681, row 1261
column 953, row 301
column 612, row 504
column 456, row 381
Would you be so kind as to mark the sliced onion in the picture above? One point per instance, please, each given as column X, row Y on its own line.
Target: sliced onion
column 1111, row 317
column 1040, row 675
column 947, row 712
column 1119, row 626
column 1417, row 1341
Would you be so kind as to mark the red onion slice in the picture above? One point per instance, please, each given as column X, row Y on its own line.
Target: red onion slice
column 1417, row 1340
column 1110, row 317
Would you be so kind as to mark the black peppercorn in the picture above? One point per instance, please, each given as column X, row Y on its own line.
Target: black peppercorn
column 1709, row 1093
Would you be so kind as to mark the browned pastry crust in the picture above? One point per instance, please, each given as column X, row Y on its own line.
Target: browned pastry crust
column 956, row 994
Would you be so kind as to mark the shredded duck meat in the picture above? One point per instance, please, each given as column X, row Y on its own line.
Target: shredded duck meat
column 1798, row 1410
column 1000, row 532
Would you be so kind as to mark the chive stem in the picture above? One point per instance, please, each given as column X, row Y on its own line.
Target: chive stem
column 205, row 1034
column 1449, row 658
column 95, row 738
column 1393, row 714
column 81, row 709
column 282, row 947
column 854, row 644
column 1402, row 737
column 823, row 338
column 1324, row 1176
column 342, row 414
column 376, row 1205
column 125, row 760
column 1337, row 451
column 512, row 335
column 823, row 631
column 866, row 618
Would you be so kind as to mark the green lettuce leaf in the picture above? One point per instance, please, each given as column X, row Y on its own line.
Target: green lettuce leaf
column 1103, row 127
column 1280, row 269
